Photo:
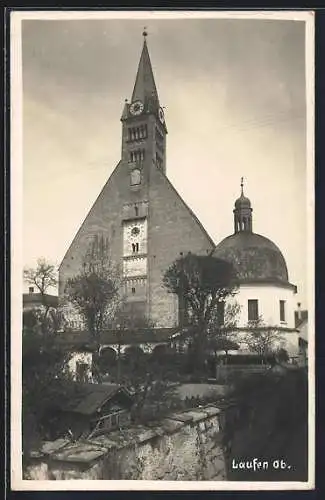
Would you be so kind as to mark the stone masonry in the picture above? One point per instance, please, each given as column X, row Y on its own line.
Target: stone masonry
column 185, row 446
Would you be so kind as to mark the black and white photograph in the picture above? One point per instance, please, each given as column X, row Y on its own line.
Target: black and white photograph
column 162, row 272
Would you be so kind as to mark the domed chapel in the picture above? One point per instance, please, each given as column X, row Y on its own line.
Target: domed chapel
column 146, row 225
column 265, row 292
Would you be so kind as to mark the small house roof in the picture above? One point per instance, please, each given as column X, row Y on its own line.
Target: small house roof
column 37, row 299
column 89, row 397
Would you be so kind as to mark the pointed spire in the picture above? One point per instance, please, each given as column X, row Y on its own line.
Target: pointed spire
column 242, row 186
column 145, row 88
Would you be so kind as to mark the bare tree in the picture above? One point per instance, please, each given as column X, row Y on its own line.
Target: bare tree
column 262, row 339
column 44, row 277
column 201, row 283
column 94, row 291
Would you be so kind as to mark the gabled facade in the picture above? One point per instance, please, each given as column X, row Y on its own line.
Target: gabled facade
column 139, row 214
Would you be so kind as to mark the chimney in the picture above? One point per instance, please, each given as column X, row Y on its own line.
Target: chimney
column 31, row 289
column 299, row 311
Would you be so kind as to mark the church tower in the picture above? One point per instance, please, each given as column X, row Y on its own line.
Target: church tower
column 139, row 213
column 144, row 129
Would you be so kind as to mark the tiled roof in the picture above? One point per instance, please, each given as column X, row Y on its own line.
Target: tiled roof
column 90, row 397
column 140, row 336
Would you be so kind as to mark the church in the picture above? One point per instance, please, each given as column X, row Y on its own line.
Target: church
column 265, row 292
column 145, row 221
column 147, row 225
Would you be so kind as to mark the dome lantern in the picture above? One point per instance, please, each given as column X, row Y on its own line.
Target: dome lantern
column 243, row 220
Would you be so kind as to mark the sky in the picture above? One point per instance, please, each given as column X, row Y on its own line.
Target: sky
column 235, row 105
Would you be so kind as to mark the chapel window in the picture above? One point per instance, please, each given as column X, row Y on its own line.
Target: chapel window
column 282, row 311
column 252, row 310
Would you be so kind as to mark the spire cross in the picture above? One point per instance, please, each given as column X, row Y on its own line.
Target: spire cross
column 242, row 185
column 145, row 33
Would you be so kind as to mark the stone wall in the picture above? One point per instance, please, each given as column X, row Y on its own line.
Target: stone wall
column 185, row 446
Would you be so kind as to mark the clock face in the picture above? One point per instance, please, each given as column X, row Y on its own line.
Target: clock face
column 135, row 232
column 161, row 115
column 136, row 108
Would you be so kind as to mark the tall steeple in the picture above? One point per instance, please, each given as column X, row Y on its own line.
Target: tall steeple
column 243, row 220
column 145, row 88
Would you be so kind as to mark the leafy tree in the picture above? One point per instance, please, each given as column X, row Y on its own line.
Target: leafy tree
column 262, row 339
column 201, row 284
column 44, row 377
column 44, row 362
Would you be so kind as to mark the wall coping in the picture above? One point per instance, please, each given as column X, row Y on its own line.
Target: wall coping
column 88, row 451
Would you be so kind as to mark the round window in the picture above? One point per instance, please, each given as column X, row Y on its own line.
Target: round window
column 135, row 231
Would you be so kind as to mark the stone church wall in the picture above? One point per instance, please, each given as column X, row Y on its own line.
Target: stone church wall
column 186, row 446
column 104, row 218
column 173, row 229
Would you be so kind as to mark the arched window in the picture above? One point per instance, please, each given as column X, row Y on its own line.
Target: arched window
column 135, row 177
column 135, row 247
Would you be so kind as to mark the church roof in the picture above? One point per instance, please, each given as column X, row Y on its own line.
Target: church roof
column 145, row 88
column 255, row 257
